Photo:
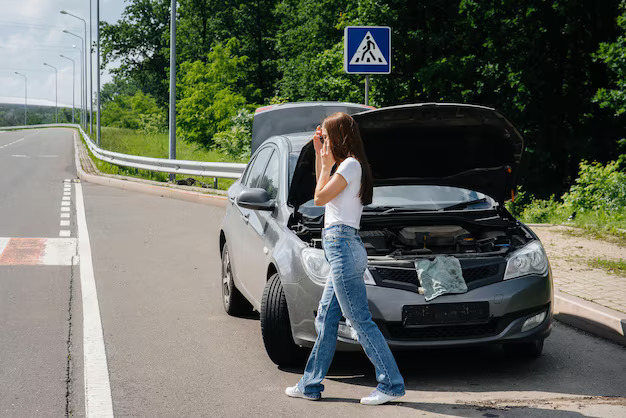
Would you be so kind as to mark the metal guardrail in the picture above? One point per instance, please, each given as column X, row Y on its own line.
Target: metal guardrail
column 164, row 165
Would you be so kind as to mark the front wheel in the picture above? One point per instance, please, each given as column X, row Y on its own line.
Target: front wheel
column 526, row 350
column 275, row 325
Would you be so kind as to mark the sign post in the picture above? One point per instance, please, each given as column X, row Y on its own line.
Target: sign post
column 367, row 50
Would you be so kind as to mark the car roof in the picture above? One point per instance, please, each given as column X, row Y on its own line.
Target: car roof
column 298, row 140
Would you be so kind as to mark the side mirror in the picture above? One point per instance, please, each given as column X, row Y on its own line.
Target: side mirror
column 256, row 199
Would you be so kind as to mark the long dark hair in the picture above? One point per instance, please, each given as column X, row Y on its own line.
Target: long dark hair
column 345, row 141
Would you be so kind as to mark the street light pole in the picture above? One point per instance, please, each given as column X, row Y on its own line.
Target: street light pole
column 82, row 90
column 73, row 82
column 25, row 97
column 98, row 62
column 172, row 118
column 90, row 73
column 85, row 79
column 85, row 52
column 56, row 92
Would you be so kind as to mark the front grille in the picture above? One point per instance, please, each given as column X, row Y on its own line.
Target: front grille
column 407, row 275
column 396, row 331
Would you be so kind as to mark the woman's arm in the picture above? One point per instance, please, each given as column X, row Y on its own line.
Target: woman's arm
column 327, row 188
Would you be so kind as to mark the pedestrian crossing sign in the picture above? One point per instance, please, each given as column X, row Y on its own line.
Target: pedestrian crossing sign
column 367, row 50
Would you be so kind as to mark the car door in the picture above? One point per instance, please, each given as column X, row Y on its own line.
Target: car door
column 258, row 242
column 239, row 220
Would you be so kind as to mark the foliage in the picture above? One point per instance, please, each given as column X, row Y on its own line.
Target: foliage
column 138, row 111
column 612, row 266
column 598, row 187
column 613, row 54
column 236, row 140
column 208, row 95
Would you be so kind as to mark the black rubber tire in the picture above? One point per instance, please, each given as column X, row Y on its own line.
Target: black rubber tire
column 526, row 350
column 275, row 326
column 234, row 302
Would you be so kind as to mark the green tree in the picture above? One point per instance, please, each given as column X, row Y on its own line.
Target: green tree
column 139, row 111
column 613, row 54
column 208, row 95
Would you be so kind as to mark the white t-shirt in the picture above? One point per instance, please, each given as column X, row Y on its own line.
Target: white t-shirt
column 346, row 207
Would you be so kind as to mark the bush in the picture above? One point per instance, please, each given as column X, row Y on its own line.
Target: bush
column 236, row 140
column 598, row 187
column 545, row 211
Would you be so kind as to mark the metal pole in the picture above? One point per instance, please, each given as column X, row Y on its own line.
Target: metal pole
column 98, row 62
column 172, row 121
column 90, row 74
column 73, row 83
column 84, row 51
column 25, row 97
column 367, row 89
column 82, row 88
column 56, row 92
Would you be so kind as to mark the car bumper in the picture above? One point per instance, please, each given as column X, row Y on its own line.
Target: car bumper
column 511, row 303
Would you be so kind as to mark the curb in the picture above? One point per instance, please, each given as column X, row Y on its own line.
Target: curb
column 590, row 317
column 131, row 185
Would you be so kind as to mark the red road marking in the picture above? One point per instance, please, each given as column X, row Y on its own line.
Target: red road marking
column 23, row 251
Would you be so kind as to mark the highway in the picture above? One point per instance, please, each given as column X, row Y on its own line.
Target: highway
column 171, row 350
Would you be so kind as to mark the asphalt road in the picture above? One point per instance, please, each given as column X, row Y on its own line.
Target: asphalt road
column 172, row 351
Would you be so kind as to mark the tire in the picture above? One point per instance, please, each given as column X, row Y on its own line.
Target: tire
column 527, row 350
column 234, row 302
column 275, row 326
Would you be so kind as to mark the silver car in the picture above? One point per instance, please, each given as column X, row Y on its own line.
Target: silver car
column 442, row 173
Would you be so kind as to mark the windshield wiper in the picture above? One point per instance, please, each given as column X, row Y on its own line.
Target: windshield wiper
column 384, row 210
column 463, row 205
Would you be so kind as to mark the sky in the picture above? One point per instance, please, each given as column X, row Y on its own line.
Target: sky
column 31, row 33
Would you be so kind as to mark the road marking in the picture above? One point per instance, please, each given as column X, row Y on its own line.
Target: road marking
column 11, row 143
column 65, row 209
column 65, row 198
column 65, row 215
column 64, row 233
column 20, row 156
column 37, row 251
column 98, row 401
column 65, row 203
column 64, row 223
column 67, row 193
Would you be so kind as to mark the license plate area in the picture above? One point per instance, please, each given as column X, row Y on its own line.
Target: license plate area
column 445, row 314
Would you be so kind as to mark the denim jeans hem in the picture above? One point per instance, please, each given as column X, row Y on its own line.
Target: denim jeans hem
column 310, row 394
column 386, row 392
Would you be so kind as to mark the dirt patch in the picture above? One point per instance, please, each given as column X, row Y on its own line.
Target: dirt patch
column 570, row 256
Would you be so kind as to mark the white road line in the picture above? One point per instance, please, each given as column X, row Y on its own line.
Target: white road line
column 65, row 198
column 98, row 401
column 67, row 193
column 65, row 209
column 20, row 156
column 3, row 244
column 64, row 233
column 11, row 143
column 65, row 223
column 65, row 215
column 65, row 203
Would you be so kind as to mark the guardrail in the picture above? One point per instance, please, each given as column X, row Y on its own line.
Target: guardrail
column 164, row 165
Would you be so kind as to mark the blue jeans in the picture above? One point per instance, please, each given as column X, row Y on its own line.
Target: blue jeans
column 345, row 292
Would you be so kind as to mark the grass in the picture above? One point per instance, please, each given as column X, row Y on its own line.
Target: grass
column 612, row 266
column 128, row 141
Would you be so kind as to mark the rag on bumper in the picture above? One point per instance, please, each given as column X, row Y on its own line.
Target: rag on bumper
column 440, row 276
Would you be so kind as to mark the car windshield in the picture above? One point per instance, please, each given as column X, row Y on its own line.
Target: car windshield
column 425, row 197
column 418, row 197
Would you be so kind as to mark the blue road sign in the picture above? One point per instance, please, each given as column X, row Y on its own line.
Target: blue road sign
column 367, row 50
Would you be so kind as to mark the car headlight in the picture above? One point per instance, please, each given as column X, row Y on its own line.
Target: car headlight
column 530, row 259
column 316, row 266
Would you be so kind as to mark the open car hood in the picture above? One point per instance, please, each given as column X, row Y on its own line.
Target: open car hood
column 472, row 147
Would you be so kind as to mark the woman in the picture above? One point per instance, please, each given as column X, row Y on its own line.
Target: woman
column 344, row 194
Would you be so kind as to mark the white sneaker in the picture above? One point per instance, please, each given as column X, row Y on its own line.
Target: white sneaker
column 378, row 398
column 294, row 392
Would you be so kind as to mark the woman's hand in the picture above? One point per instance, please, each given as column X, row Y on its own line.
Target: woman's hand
column 317, row 140
column 328, row 160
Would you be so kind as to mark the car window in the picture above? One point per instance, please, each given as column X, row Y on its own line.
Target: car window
column 258, row 167
column 426, row 197
column 270, row 179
